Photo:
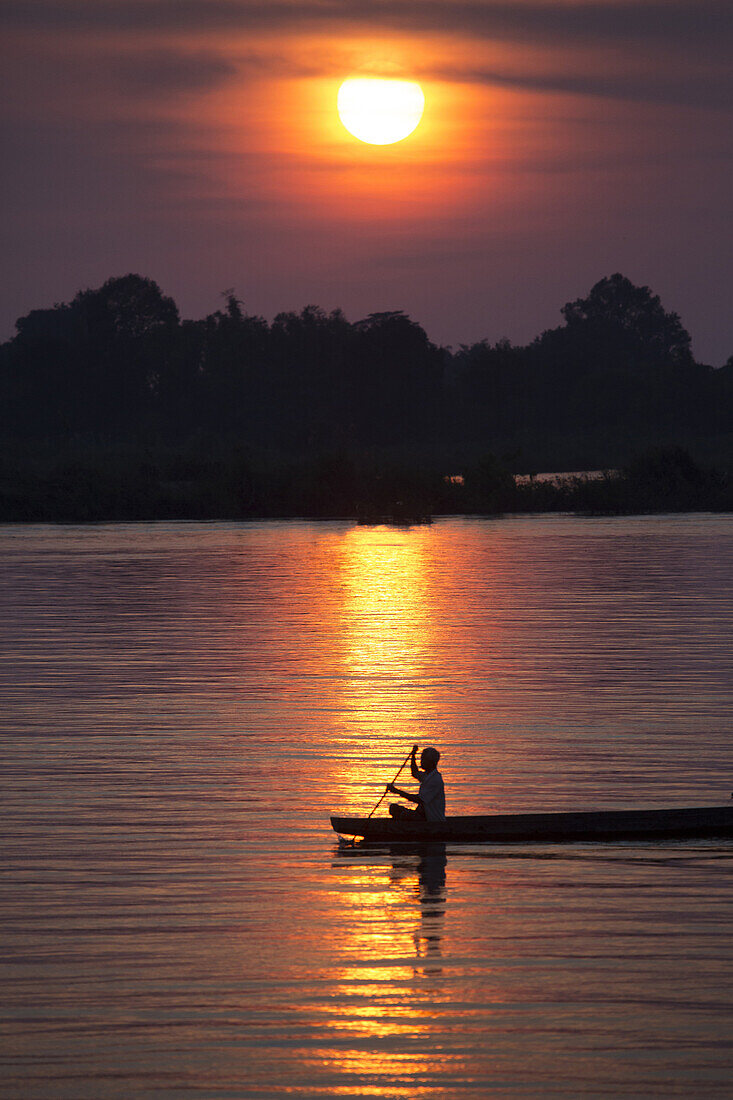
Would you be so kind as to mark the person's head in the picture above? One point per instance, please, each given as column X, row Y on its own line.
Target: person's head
column 429, row 758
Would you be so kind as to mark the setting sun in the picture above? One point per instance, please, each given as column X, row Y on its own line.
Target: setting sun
column 380, row 112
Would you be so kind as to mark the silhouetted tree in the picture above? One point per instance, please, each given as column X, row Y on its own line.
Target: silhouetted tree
column 116, row 364
column 129, row 306
column 493, row 394
column 131, row 328
column 620, row 359
column 92, row 365
column 231, row 354
column 311, row 354
column 397, row 378
column 489, row 487
column 631, row 318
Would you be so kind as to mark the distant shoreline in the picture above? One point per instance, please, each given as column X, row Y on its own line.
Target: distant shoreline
column 213, row 520
column 663, row 480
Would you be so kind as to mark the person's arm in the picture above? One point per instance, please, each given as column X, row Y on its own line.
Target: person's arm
column 391, row 789
column 416, row 773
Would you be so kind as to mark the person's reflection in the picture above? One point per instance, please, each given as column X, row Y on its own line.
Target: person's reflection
column 418, row 875
column 425, row 876
column 431, row 881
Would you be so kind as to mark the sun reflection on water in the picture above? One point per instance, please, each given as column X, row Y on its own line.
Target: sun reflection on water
column 387, row 994
column 387, row 608
column 386, row 637
column 393, row 917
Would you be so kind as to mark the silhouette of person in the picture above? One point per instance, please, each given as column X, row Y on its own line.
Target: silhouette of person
column 430, row 798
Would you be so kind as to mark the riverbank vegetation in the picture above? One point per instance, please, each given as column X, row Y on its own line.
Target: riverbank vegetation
column 168, row 484
column 112, row 407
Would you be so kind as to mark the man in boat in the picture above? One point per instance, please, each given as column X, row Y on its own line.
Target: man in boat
column 430, row 798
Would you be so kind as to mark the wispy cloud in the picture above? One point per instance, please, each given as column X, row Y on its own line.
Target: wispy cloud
column 703, row 89
column 170, row 71
column 665, row 51
column 685, row 21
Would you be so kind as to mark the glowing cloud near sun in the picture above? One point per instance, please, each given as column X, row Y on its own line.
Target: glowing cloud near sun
column 380, row 112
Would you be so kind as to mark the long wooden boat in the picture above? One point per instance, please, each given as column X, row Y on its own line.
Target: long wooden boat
column 586, row 825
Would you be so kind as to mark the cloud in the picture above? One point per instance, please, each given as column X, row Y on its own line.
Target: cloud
column 701, row 89
column 685, row 22
column 168, row 71
column 657, row 51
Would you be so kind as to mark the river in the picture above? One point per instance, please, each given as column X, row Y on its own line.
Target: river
column 183, row 706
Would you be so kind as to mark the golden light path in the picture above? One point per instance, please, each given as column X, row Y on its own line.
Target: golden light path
column 384, row 628
column 380, row 112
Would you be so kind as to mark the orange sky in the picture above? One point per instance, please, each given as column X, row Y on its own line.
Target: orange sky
column 197, row 142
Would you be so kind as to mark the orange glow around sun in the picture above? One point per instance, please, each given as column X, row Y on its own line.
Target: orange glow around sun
column 386, row 137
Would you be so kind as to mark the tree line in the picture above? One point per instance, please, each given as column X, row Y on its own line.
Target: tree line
column 317, row 407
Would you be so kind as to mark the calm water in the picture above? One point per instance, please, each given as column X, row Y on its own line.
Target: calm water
column 183, row 705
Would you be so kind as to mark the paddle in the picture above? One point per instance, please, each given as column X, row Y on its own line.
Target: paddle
column 402, row 765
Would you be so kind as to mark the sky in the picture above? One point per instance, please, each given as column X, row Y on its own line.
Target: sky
column 197, row 142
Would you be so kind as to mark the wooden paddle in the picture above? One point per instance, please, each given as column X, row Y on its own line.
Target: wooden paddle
column 402, row 765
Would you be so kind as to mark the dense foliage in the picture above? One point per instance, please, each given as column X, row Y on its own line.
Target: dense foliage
column 111, row 405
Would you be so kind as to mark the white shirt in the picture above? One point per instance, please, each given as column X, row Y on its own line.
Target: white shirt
column 432, row 794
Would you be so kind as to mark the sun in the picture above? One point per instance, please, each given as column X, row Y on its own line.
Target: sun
column 380, row 112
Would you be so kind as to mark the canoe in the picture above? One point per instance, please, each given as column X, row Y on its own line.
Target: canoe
column 583, row 825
